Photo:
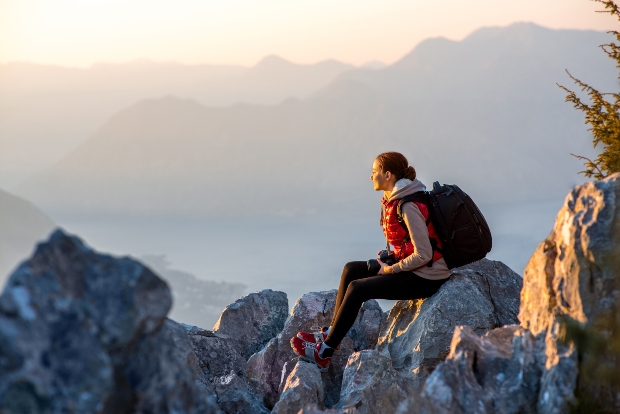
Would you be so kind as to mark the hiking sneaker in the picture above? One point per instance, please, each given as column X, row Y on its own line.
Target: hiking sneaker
column 316, row 336
column 309, row 351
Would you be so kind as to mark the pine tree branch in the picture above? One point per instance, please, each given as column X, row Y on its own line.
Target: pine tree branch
column 590, row 167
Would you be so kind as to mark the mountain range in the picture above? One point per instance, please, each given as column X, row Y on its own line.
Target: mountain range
column 21, row 226
column 484, row 112
column 53, row 109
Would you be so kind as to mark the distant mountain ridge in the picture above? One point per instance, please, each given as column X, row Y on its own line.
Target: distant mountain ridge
column 485, row 111
column 21, row 226
column 54, row 109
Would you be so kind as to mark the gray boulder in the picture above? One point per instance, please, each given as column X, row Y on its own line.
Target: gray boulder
column 265, row 368
column 315, row 409
column 163, row 371
column 574, row 276
column 223, row 366
column 417, row 333
column 86, row 332
column 303, row 386
column 370, row 384
column 365, row 331
column 253, row 320
column 217, row 356
column 234, row 396
column 495, row 373
column 332, row 379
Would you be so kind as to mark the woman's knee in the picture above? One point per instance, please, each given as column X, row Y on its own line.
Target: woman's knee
column 357, row 290
column 349, row 273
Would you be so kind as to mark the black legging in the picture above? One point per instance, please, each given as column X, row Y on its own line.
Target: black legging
column 357, row 286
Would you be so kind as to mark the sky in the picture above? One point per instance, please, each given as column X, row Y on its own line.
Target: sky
column 79, row 33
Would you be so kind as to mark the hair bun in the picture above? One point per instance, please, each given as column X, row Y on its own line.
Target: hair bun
column 409, row 173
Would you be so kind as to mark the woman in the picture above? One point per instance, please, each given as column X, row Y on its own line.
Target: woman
column 419, row 272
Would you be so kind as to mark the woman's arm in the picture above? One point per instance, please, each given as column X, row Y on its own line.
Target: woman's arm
column 422, row 249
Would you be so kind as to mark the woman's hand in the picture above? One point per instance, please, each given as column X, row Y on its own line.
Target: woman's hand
column 383, row 265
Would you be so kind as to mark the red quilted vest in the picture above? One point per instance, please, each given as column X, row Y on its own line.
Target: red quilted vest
column 397, row 235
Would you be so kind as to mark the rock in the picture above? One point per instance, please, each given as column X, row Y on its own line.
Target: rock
column 303, row 386
column 371, row 382
column 365, row 330
column 195, row 330
column 217, row 356
column 163, row 371
column 495, row 373
column 86, row 332
column 314, row 409
column 234, row 396
column 264, row 369
column 417, row 333
column 224, row 367
column 253, row 320
column 332, row 379
column 574, row 274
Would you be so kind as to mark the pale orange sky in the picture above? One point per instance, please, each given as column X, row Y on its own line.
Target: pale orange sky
column 82, row 32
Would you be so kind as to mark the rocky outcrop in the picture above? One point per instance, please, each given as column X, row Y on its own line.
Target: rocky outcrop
column 217, row 356
column 163, row 372
column 87, row 332
column 417, row 333
column 573, row 278
column 266, row 369
column 223, row 366
column 302, row 387
column 496, row 373
column 253, row 320
column 370, row 382
column 365, row 330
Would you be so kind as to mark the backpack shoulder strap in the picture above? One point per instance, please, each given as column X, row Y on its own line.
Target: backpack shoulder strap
column 420, row 197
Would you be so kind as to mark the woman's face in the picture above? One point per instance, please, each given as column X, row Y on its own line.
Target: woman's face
column 380, row 180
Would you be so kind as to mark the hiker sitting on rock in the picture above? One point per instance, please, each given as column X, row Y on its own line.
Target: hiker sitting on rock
column 418, row 268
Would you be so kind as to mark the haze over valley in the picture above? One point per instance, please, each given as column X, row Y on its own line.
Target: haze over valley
column 260, row 176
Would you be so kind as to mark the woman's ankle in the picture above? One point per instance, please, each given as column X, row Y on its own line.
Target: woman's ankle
column 326, row 351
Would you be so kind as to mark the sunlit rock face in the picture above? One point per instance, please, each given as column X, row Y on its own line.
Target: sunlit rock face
column 417, row 333
column 253, row 320
column 86, row 332
column 370, row 384
column 574, row 275
column 303, row 386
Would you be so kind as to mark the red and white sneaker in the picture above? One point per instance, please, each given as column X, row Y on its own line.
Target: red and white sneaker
column 318, row 335
column 309, row 351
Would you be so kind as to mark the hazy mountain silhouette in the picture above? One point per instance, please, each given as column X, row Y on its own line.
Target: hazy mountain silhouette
column 484, row 112
column 54, row 109
column 21, row 226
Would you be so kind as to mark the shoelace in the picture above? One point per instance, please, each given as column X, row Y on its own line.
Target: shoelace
column 310, row 345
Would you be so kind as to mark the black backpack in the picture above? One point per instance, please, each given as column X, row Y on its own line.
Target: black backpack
column 464, row 233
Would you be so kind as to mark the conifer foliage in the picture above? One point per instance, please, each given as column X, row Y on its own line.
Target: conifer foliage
column 602, row 114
